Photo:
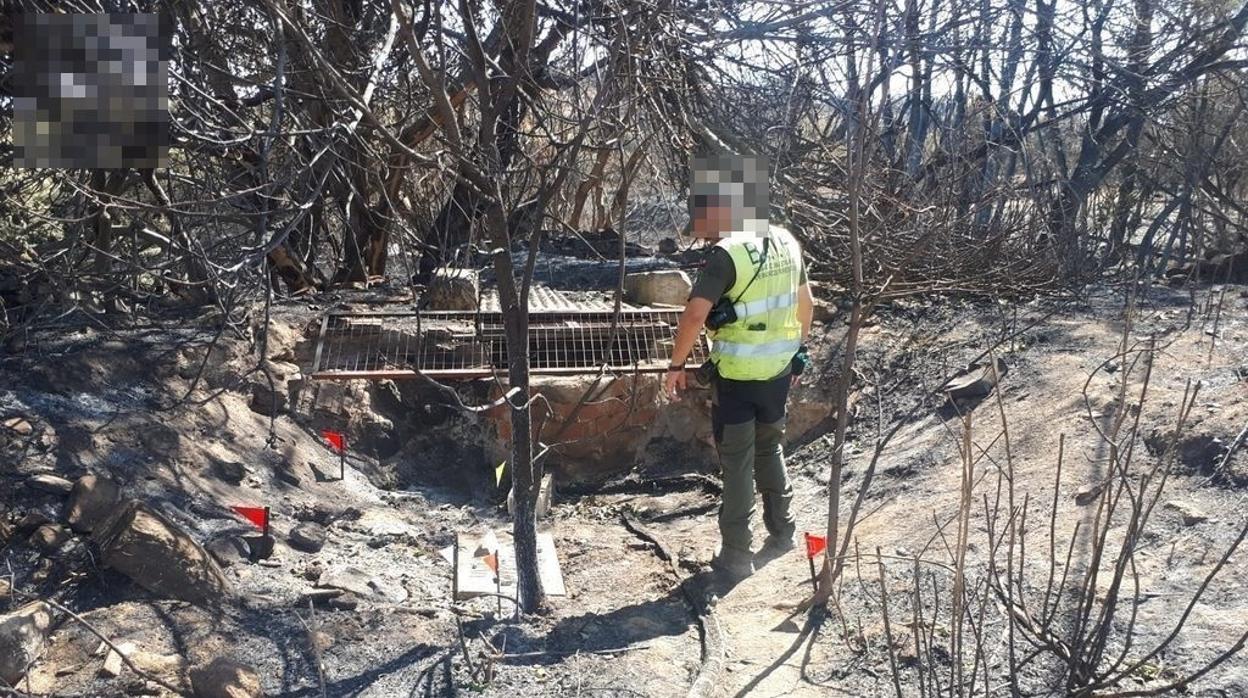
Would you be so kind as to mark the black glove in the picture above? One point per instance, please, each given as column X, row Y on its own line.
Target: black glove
column 800, row 360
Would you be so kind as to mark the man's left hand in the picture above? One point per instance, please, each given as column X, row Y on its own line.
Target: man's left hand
column 798, row 366
column 674, row 382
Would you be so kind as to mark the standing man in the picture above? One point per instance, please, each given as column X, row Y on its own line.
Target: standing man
column 754, row 298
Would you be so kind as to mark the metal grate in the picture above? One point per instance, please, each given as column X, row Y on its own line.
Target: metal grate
column 451, row 344
column 544, row 298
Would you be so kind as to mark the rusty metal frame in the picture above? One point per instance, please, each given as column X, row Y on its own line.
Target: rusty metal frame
column 491, row 321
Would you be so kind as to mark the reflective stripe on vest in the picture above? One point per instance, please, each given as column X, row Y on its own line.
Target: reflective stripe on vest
column 762, row 305
column 787, row 347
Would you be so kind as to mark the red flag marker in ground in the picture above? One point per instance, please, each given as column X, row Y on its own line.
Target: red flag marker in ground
column 337, row 442
column 259, row 516
column 334, row 439
column 814, row 546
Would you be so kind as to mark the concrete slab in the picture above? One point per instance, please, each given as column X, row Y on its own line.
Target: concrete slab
column 479, row 558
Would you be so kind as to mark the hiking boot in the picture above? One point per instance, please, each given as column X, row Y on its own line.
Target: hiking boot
column 780, row 542
column 732, row 564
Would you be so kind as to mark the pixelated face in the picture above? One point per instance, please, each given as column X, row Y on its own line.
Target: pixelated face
column 729, row 196
column 90, row 91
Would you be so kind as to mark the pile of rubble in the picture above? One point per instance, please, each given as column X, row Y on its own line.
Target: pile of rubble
column 68, row 525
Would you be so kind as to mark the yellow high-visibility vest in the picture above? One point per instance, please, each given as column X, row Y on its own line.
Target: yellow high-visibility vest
column 767, row 333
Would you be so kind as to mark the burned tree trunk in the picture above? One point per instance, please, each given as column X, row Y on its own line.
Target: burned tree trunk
column 525, row 472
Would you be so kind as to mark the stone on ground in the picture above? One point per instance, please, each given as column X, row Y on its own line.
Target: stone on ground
column 22, row 636
column 228, row 550
column 232, row 472
column 92, row 499
column 33, row 519
column 259, row 547
column 1188, row 512
column 225, row 678
column 824, row 311
column 977, row 381
column 363, row 585
column 1089, row 493
column 308, row 537
column 158, row 556
column 18, row 425
column 268, row 401
column 543, row 497
column 111, row 667
column 49, row 538
column 665, row 287
column 349, row 579
column 453, row 289
column 52, row 484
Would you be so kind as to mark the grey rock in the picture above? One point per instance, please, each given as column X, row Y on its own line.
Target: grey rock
column 313, row 572
column 344, row 603
column 322, row 513
column 232, row 472
column 49, row 538
column 228, row 550
column 1188, row 512
column 362, row 584
column 319, row 596
column 824, row 310
column 350, row 579
column 266, row 401
column 18, row 425
column 92, row 499
column 47, row 441
column 52, row 484
column 159, row 556
column 453, row 289
column 31, row 520
column 1089, row 493
column 978, row 381
column 543, row 497
column 22, row 636
column 225, row 678
column 260, row 547
column 665, row 287
column 308, row 537
column 287, row 475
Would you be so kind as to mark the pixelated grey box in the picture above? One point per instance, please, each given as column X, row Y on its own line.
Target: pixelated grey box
column 90, row 91
column 737, row 181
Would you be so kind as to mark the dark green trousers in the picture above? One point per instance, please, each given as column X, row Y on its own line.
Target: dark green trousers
column 748, row 418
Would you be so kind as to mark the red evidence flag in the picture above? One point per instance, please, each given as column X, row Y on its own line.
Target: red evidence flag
column 815, row 545
column 256, row 515
column 335, row 439
column 491, row 561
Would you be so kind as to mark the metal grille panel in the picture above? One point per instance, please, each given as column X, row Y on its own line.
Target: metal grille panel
column 472, row 345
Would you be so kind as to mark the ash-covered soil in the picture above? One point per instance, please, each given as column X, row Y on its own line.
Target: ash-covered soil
column 176, row 418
